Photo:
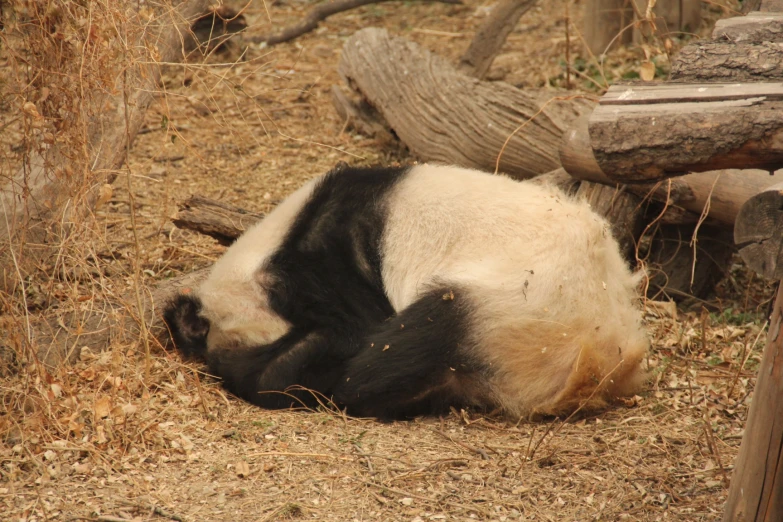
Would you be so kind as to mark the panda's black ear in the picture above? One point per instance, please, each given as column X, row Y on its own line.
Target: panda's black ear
column 188, row 329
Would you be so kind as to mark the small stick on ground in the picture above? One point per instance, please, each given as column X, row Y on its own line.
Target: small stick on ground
column 491, row 36
column 155, row 509
column 478, row 451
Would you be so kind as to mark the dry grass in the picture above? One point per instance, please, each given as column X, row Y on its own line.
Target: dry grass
column 118, row 436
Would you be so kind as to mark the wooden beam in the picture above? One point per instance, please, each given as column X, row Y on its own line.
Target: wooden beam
column 756, row 492
column 725, row 191
column 651, row 132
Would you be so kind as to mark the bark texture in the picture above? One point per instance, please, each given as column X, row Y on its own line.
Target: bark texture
column 651, row 132
column 445, row 116
column 756, row 492
column 492, row 35
column 758, row 232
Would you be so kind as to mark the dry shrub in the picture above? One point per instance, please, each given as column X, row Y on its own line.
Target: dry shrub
column 75, row 74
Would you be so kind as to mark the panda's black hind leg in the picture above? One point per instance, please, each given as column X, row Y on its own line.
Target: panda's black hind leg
column 415, row 363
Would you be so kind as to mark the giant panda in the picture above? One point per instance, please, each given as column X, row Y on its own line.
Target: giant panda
column 397, row 292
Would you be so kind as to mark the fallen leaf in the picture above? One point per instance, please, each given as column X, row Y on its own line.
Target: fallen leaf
column 102, row 407
column 243, row 469
column 647, row 71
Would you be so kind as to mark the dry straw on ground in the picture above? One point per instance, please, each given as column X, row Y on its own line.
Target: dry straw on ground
column 119, row 436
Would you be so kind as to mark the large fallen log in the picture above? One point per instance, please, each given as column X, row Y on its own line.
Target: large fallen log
column 443, row 115
column 742, row 49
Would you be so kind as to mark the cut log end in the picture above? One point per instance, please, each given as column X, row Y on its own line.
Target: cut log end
column 758, row 232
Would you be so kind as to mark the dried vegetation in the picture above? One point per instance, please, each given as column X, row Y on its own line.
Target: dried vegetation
column 122, row 434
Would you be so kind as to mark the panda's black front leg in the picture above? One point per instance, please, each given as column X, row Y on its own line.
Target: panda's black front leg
column 415, row 363
column 298, row 370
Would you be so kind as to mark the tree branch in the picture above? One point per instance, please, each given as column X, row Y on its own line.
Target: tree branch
column 318, row 14
column 491, row 36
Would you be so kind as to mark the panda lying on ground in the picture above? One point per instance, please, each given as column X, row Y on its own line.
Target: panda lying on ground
column 397, row 292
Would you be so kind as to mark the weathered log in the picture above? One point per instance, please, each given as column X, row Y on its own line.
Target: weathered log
column 756, row 492
column 729, row 62
column 651, row 132
column 445, row 116
column 620, row 207
column 758, row 232
column 216, row 219
column 743, row 49
column 491, row 36
column 725, row 190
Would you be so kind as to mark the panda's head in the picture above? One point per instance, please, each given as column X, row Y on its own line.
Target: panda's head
column 187, row 327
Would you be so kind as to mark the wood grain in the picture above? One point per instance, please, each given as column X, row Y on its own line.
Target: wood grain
column 445, row 116
column 756, row 492
column 703, row 127
column 758, row 232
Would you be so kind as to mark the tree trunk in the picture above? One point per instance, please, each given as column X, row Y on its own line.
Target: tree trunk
column 755, row 27
column 756, row 492
column 603, row 22
column 445, row 116
column 729, row 62
column 743, row 49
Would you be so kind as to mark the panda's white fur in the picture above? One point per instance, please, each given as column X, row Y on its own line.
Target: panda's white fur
column 545, row 316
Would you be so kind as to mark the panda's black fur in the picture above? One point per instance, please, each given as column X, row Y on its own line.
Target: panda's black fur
column 333, row 332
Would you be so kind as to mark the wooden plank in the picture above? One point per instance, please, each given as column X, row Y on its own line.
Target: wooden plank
column 608, row 113
column 690, row 92
column 757, row 483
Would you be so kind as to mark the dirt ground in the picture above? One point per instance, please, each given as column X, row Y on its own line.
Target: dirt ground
column 119, row 436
